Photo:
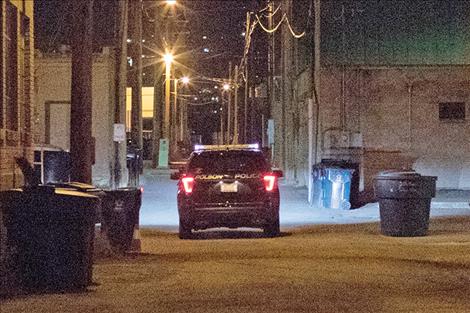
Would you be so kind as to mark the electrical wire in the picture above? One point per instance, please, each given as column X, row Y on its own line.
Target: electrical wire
column 272, row 30
column 274, row 13
column 292, row 31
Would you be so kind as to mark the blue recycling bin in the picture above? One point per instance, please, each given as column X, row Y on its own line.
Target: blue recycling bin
column 317, row 186
column 336, row 187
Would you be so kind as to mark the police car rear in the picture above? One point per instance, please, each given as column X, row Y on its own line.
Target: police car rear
column 228, row 186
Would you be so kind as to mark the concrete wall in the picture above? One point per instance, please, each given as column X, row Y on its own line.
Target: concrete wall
column 290, row 112
column 389, row 109
column 384, row 112
column 401, row 111
column 53, row 75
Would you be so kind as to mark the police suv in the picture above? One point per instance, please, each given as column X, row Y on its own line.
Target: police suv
column 228, row 186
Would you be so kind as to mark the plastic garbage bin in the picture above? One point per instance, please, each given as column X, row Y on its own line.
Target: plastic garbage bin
column 317, row 186
column 88, row 189
column 52, row 230
column 120, row 213
column 404, row 202
column 355, row 177
column 336, row 188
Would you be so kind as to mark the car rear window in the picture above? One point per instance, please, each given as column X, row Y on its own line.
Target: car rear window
column 218, row 162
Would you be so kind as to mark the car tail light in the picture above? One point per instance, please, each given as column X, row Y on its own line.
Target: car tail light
column 269, row 181
column 188, row 184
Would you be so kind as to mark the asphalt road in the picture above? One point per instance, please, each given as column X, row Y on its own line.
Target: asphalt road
column 329, row 268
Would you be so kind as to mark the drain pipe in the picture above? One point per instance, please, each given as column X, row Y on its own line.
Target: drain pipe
column 409, row 85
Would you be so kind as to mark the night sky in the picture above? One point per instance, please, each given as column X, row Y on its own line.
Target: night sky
column 222, row 22
column 53, row 23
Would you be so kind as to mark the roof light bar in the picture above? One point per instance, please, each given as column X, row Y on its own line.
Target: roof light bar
column 252, row 146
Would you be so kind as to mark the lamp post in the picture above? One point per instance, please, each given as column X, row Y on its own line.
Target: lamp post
column 168, row 58
column 173, row 125
column 224, row 137
column 183, row 111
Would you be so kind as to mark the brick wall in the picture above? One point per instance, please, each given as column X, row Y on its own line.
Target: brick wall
column 18, row 142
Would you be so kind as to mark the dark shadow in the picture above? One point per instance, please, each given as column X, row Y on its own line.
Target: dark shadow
column 19, row 293
column 136, row 257
column 218, row 234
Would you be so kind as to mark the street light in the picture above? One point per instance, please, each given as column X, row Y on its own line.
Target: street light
column 185, row 80
column 171, row 2
column 226, row 86
column 168, row 58
column 182, row 108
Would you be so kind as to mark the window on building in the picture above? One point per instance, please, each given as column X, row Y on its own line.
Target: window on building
column 452, row 111
column 11, row 66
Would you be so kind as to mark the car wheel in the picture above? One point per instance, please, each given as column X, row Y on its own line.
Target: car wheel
column 184, row 230
column 272, row 229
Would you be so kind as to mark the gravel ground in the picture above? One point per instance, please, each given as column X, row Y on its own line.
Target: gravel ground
column 320, row 268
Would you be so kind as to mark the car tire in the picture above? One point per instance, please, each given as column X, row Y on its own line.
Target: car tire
column 185, row 230
column 272, row 229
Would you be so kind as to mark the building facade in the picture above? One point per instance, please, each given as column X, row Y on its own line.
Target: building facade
column 16, row 100
column 53, row 85
column 392, row 92
column 16, row 89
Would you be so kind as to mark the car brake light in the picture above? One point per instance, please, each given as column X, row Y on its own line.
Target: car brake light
column 269, row 181
column 188, row 184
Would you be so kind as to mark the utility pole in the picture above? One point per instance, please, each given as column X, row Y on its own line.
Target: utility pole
column 136, row 73
column 316, row 79
column 245, row 109
column 270, row 90
column 120, row 90
column 222, row 120
column 158, row 106
column 81, row 141
column 343, row 69
column 235, row 108
column 181, row 119
column 229, row 104
column 183, row 112
column 166, row 119
column 174, row 122
column 136, row 8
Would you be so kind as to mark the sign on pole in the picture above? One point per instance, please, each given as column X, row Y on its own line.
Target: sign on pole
column 119, row 133
column 270, row 132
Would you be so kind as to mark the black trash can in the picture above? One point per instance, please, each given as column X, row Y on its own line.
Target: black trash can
column 91, row 190
column 52, row 232
column 404, row 202
column 88, row 189
column 120, row 211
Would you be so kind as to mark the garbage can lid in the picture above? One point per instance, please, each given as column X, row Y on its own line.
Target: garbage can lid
column 399, row 173
column 402, row 174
